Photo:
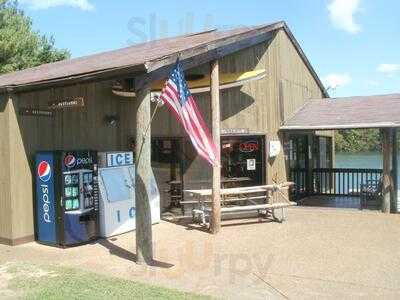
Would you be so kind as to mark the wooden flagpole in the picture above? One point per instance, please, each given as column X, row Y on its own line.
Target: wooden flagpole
column 215, row 221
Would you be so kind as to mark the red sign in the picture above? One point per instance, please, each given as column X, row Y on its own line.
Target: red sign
column 248, row 146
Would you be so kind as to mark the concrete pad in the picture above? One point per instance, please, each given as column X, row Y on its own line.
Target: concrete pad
column 316, row 253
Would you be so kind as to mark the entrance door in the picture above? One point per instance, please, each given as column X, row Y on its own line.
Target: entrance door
column 167, row 167
column 298, row 163
column 243, row 161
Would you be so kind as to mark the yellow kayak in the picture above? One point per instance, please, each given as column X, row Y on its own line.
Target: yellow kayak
column 199, row 83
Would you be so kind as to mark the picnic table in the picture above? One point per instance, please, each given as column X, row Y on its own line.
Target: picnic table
column 246, row 196
column 175, row 188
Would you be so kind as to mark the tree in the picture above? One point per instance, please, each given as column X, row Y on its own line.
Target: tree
column 20, row 46
column 358, row 140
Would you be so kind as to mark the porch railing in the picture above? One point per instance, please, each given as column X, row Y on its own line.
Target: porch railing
column 299, row 177
column 335, row 182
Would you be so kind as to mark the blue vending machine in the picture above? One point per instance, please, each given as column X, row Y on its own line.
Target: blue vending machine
column 67, row 204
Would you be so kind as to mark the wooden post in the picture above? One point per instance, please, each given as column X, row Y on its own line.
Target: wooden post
column 394, row 205
column 387, row 149
column 144, row 240
column 310, row 164
column 215, row 221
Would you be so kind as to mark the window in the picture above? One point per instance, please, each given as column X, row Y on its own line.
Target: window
column 242, row 160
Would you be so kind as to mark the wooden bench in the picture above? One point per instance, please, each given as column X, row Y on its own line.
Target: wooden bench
column 258, row 208
column 247, row 193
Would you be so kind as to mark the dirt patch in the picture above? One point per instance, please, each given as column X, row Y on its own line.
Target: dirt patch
column 11, row 271
column 329, row 253
column 5, row 278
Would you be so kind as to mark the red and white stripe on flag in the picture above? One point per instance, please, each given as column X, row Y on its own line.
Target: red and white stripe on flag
column 179, row 100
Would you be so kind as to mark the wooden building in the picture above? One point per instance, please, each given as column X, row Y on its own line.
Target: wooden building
column 71, row 105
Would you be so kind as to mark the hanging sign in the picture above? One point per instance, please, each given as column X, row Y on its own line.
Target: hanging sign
column 274, row 148
column 248, row 146
column 73, row 102
column 117, row 159
column 35, row 112
column 251, row 164
column 235, row 131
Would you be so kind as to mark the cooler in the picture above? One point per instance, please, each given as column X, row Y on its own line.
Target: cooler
column 117, row 194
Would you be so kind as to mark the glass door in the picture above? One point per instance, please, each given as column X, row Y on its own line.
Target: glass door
column 322, row 152
column 166, row 159
column 298, row 162
column 243, row 161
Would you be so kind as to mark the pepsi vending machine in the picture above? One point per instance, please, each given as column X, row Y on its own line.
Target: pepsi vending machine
column 66, row 197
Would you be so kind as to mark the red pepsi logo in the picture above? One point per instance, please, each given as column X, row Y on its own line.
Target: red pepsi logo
column 44, row 171
column 70, row 161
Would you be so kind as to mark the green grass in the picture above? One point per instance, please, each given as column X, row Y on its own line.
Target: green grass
column 37, row 282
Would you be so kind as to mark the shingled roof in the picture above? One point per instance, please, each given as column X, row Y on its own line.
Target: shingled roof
column 378, row 111
column 140, row 58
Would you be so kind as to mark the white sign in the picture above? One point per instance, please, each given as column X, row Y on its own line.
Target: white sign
column 117, row 159
column 274, row 148
column 234, row 131
column 251, row 164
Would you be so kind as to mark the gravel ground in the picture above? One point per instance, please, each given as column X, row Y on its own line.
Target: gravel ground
column 316, row 253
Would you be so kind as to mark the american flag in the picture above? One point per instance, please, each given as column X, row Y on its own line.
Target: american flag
column 178, row 98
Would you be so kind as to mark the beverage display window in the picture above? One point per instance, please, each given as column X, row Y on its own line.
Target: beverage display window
column 243, row 160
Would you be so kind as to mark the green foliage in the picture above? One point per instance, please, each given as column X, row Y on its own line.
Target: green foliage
column 20, row 46
column 360, row 140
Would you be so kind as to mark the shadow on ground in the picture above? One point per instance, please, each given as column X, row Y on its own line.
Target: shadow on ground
column 130, row 256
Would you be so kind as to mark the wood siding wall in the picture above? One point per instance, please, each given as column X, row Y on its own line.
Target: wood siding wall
column 5, row 199
column 255, row 105
column 82, row 128
column 295, row 84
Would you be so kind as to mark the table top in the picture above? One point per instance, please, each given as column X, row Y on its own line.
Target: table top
column 228, row 191
column 241, row 190
column 223, row 180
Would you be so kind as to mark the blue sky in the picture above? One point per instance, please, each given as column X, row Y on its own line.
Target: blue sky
column 353, row 45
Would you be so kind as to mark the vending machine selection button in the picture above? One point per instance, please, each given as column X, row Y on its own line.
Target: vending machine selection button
column 75, row 203
column 68, row 204
column 75, row 191
column 68, row 192
column 75, row 179
column 67, row 179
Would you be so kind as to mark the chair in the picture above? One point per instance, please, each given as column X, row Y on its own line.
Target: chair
column 369, row 191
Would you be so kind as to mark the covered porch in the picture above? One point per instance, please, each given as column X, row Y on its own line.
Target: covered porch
column 318, row 181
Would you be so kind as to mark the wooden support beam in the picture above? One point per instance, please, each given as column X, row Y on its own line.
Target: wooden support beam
column 144, row 239
column 310, row 163
column 215, row 222
column 394, row 205
column 387, row 149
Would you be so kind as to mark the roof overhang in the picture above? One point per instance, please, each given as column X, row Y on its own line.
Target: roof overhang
column 381, row 111
column 141, row 59
column 148, row 61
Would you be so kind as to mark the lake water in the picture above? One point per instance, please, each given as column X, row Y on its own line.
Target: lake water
column 367, row 160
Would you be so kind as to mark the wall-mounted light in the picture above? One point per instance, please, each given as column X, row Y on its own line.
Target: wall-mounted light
column 111, row 120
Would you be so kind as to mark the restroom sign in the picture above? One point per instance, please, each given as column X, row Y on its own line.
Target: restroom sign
column 118, row 159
